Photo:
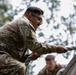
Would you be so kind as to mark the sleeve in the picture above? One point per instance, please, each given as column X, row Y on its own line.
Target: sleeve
column 31, row 42
column 35, row 46
column 42, row 72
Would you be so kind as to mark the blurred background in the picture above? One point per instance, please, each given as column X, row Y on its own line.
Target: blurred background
column 59, row 25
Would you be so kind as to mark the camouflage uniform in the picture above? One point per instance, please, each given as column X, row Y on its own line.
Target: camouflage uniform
column 15, row 37
column 44, row 71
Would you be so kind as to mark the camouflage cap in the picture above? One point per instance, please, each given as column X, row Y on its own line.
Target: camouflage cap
column 49, row 57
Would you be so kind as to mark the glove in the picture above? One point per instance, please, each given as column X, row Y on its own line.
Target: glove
column 61, row 49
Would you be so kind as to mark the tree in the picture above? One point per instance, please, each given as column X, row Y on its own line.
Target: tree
column 53, row 21
column 66, row 25
column 4, row 12
column 7, row 12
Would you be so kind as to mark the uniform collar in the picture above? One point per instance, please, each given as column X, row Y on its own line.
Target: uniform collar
column 29, row 22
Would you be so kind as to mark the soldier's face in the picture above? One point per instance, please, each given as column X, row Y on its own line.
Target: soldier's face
column 36, row 20
column 51, row 65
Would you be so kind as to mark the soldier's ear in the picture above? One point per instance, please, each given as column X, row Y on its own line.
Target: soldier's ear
column 29, row 15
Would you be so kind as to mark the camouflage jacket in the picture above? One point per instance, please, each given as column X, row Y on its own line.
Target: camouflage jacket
column 44, row 71
column 19, row 34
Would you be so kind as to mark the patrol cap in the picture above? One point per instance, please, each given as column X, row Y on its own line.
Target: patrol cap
column 49, row 57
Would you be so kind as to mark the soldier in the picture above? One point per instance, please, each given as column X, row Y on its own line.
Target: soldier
column 18, row 36
column 51, row 67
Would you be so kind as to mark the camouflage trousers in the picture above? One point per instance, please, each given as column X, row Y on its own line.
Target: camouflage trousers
column 10, row 66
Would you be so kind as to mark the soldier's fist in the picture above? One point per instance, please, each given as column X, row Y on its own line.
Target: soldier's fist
column 34, row 56
column 61, row 49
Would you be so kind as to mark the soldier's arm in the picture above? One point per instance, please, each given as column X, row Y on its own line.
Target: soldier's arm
column 29, row 37
column 42, row 48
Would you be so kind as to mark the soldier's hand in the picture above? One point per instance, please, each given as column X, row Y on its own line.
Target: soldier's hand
column 34, row 56
column 61, row 49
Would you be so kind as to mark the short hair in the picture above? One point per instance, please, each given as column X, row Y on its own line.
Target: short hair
column 50, row 57
column 35, row 10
